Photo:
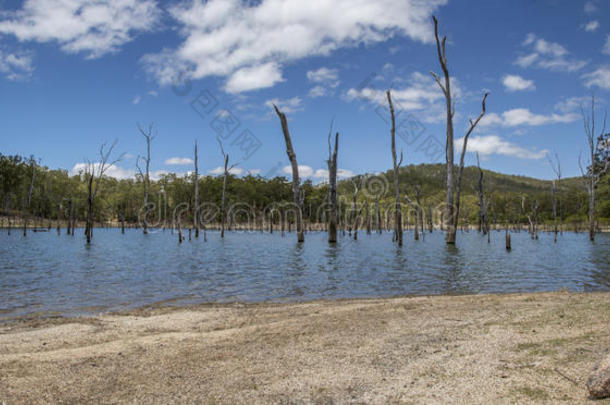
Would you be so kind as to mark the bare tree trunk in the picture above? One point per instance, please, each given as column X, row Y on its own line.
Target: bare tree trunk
column 453, row 189
column 397, row 208
column 298, row 197
column 196, row 208
column 378, row 215
column 148, row 136
column 223, row 214
column 332, row 189
column 554, row 202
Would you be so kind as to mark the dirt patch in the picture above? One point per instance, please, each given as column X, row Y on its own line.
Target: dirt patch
column 487, row 348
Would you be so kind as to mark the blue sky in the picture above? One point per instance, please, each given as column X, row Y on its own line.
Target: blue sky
column 74, row 74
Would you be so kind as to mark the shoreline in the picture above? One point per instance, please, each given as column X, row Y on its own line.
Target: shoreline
column 465, row 348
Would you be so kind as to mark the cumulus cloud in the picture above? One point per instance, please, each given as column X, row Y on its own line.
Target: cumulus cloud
column 112, row 171
column 136, row 100
column 590, row 7
column 95, row 28
column 419, row 94
column 606, row 48
column 179, row 161
column 493, row 144
column 591, row 26
column 517, row 83
column 249, row 42
column 253, row 78
column 547, row 55
column 287, row 106
column 320, row 174
column 523, row 116
column 236, row 171
column 326, row 81
column 16, row 65
column 598, row 78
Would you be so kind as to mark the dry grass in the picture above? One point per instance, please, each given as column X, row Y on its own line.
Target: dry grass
column 465, row 349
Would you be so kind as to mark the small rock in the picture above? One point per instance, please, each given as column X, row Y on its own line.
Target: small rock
column 598, row 383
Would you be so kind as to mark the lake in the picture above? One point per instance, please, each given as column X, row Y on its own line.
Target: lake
column 55, row 274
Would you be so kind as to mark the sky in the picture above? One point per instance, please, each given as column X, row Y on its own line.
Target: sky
column 75, row 74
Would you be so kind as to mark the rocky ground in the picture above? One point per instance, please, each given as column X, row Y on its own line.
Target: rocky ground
column 459, row 349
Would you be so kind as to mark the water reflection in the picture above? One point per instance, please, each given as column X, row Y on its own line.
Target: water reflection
column 59, row 273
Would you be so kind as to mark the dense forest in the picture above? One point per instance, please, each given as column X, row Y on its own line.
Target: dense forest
column 31, row 191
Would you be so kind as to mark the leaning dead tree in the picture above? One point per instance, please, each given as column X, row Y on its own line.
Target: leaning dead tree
column 453, row 187
column 196, row 192
column 555, row 164
column 332, row 187
column 94, row 173
column 148, row 137
column 296, row 191
column 29, row 200
column 396, row 163
column 483, row 221
column 599, row 164
column 223, row 198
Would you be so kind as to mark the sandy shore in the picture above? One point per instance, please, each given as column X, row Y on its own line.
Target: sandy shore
column 465, row 349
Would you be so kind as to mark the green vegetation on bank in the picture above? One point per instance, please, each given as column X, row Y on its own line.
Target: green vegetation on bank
column 511, row 198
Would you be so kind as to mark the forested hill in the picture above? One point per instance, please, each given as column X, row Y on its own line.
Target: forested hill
column 27, row 188
column 432, row 178
column 504, row 190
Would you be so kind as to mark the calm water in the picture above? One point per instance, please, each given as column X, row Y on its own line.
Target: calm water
column 47, row 272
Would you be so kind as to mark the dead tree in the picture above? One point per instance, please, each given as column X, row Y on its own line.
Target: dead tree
column 93, row 183
column 148, row 136
column 397, row 208
column 297, row 195
column 419, row 210
column 225, row 173
column 29, row 200
column 556, row 200
column 196, row 191
column 453, row 188
column 596, row 167
column 332, row 187
column 483, row 222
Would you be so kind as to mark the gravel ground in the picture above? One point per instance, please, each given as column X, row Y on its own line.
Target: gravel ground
column 459, row 349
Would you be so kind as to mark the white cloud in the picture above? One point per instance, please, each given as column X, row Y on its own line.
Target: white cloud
column 599, row 78
column 318, row 91
column 591, row 26
column 421, row 94
column 179, row 161
column 236, row 171
column 224, row 37
column 308, row 171
column 95, row 28
column 111, row 171
column 517, row 83
column 286, row 106
column 16, row 66
column 547, row 55
column 152, row 93
column 304, row 170
column 606, row 48
column 121, row 173
column 493, row 144
column 571, row 104
column 590, row 7
column 253, row 78
column 523, row 116
column 136, row 100
column 254, row 172
column 326, row 81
